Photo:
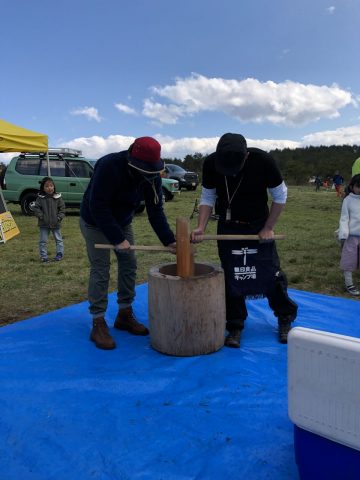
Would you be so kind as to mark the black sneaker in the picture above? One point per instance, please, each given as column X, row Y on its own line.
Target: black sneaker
column 44, row 260
column 284, row 329
column 58, row 257
column 233, row 339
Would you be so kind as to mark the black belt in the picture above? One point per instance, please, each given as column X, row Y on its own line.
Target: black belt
column 235, row 222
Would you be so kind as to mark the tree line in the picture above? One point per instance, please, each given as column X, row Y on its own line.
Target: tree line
column 297, row 165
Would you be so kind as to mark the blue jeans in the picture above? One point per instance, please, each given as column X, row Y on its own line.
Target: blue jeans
column 44, row 235
column 100, row 270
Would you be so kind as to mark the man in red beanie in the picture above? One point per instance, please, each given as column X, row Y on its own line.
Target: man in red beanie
column 119, row 182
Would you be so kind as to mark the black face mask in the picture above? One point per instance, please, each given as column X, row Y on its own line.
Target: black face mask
column 150, row 178
column 140, row 177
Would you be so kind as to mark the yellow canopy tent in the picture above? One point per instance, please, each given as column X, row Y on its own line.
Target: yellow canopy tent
column 18, row 139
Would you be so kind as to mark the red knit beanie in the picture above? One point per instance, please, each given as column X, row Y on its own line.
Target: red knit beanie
column 144, row 155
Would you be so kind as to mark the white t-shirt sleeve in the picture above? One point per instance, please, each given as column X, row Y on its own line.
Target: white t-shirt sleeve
column 208, row 197
column 279, row 193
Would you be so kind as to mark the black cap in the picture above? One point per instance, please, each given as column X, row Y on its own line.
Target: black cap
column 231, row 152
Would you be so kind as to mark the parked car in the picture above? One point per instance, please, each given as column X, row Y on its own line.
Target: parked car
column 70, row 170
column 169, row 188
column 186, row 179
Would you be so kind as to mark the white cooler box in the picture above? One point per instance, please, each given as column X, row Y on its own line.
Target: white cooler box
column 324, row 403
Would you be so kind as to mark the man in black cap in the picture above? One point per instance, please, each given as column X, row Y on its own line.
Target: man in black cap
column 119, row 182
column 238, row 178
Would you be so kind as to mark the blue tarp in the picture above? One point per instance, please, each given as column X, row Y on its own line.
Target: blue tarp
column 72, row 411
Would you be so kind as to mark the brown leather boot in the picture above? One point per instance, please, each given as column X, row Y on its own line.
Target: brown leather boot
column 126, row 320
column 100, row 335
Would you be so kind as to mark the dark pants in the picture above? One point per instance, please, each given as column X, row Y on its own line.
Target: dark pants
column 280, row 303
column 100, row 270
column 275, row 288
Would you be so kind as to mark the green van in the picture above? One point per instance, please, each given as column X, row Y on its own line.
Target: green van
column 70, row 171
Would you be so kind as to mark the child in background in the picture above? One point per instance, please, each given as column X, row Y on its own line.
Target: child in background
column 349, row 234
column 50, row 210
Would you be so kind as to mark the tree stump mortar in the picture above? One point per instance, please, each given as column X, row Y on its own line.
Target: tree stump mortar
column 186, row 315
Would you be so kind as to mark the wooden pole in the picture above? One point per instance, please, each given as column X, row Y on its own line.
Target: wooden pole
column 280, row 236
column 183, row 240
column 184, row 249
column 160, row 248
column 150, row 248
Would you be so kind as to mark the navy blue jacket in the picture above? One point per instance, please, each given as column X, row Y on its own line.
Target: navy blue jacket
column 113, row 194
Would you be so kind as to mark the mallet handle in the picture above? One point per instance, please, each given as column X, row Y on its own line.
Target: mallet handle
column 184, row 249
column 239, row 237
column 151, row 248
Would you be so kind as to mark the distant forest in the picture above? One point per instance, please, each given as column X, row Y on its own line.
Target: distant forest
column 297, row 165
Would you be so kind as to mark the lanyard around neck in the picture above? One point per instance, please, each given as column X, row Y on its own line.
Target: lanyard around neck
column 230, row 199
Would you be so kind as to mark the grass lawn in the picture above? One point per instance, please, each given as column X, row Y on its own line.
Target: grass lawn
column 309, row 254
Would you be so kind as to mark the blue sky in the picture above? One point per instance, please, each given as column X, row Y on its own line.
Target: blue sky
column 94, row 74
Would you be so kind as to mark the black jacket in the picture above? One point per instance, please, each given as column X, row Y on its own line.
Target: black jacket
column 114, row 192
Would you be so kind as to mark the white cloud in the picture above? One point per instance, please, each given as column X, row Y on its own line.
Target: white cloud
column 90, row 112
column 6, row 157
column 125, row 109
column 163, row 113
column 172, row 147
column 340, row 136
column 96, row 146
column 249, row 100
column 330, row 10
column 270, row 144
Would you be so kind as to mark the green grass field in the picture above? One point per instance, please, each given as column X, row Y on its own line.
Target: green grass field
column 309, row 254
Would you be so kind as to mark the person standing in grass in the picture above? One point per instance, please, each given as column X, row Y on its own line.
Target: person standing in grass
column 349, row 234
column 338, row 180
column 239, row 179
column 49, row 208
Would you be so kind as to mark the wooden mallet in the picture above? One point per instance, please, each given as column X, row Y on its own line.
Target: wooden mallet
column 185, row 250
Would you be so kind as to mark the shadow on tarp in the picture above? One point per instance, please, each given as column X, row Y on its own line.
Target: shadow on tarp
column 71, row 411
